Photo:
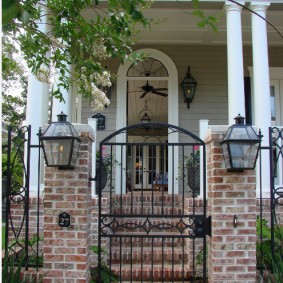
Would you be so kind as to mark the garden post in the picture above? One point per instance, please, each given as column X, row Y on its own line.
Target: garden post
column 67, row 250
column 232, row 206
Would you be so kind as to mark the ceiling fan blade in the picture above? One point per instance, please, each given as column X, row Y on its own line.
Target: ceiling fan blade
column 160, row 89
column 160, row 93
column 144, row 94
column 133, row 91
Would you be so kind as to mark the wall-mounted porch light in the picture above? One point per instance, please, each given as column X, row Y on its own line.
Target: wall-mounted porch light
column 189, row 86
column 60, row 144
column 240, row 146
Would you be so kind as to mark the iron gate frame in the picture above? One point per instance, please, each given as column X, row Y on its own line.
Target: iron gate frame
column 19, row 138
column 275, row 194
column 200, row 224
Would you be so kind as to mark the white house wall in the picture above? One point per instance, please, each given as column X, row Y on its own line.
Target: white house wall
column 209, row 68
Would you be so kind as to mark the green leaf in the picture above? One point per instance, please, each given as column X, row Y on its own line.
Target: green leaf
column 201, row 24
column 198, row 13
column 10, row 11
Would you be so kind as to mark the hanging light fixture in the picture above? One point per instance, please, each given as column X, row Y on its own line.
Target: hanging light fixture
column 240, row 146
column 144, row 115
column 189, row 86
column 60, row 143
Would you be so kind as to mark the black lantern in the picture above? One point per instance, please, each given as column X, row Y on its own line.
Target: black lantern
column 240, row 146
column 145, row 118
column 145, row 114
column 60, row 144
column 189, row 86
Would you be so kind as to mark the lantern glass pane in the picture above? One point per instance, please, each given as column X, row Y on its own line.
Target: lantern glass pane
column 57, row 152
column 237, row 155
column 75, row 152
column 226, row 156
column 60, row 129
column 243, row 155
column 244, row 132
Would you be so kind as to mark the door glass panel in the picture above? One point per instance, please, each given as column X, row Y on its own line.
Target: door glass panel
column 151, row 164
column 138, row 165
column 272, row 103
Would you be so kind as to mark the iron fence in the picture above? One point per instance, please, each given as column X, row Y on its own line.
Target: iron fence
column 21, row 212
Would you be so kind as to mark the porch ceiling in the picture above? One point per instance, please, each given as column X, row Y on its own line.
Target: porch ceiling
column 178, row 25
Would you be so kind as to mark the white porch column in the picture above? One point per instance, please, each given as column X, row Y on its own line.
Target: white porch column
column 203, row 129
column 236, row 94
column 261, row 84
column 36, row 114
column 66, row 106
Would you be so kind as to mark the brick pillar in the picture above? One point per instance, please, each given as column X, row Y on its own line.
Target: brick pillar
column 232, row 250
column 67, row 250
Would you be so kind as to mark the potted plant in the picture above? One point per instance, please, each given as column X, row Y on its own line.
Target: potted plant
column 105, row 168
column 192, row 164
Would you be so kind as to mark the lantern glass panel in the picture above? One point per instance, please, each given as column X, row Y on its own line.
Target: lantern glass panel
column 241, row 133
column 58, row 151
column 60, row 129
column 75, row 152
column 243, row 155
column 226, row 155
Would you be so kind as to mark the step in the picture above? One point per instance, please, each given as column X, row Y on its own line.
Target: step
column 148, row 209
column 148, row 255
column 147, row 273
column 130, row 240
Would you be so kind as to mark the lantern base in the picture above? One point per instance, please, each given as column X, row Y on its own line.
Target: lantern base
column 235, row 170
column 65, row 167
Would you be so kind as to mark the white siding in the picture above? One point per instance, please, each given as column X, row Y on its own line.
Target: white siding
column 209, row 68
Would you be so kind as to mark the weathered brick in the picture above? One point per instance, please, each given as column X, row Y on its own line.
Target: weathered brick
column 230, row 194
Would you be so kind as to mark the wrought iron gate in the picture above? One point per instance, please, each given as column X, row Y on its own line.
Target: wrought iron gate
column 20, row 239
column 152, row 229
column 269, row 226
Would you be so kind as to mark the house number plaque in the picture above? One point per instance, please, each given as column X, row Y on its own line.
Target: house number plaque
column 100, row 121
column 64, row 219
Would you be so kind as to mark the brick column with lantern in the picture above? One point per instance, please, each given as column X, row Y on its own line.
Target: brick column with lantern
column 232, row 206
column 67, row 216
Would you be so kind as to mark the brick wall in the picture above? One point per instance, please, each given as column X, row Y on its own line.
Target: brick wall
column 232, row 248
column 67, row 250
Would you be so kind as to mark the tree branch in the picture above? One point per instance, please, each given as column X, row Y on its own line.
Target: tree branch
column 255, row 13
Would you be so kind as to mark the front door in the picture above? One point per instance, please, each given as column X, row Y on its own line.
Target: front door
column 147, row 161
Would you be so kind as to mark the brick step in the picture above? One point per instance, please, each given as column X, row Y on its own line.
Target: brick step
column 149, row 197
column 146, row 242
column 157, row 209
column 157, row 255
column 146, row 273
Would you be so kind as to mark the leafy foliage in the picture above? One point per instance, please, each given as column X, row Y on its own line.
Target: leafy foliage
column 263, row 248
column 14, row 77
column 105, row 273
column 80, row 33
column 204, row 19
column 11, row 272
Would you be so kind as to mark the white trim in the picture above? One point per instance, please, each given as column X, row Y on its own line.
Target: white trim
column 173, row 102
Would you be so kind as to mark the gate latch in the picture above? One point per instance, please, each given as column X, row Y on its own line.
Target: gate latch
column 202, row 226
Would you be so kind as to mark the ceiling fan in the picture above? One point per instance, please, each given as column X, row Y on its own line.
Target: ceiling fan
column 148, row 88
